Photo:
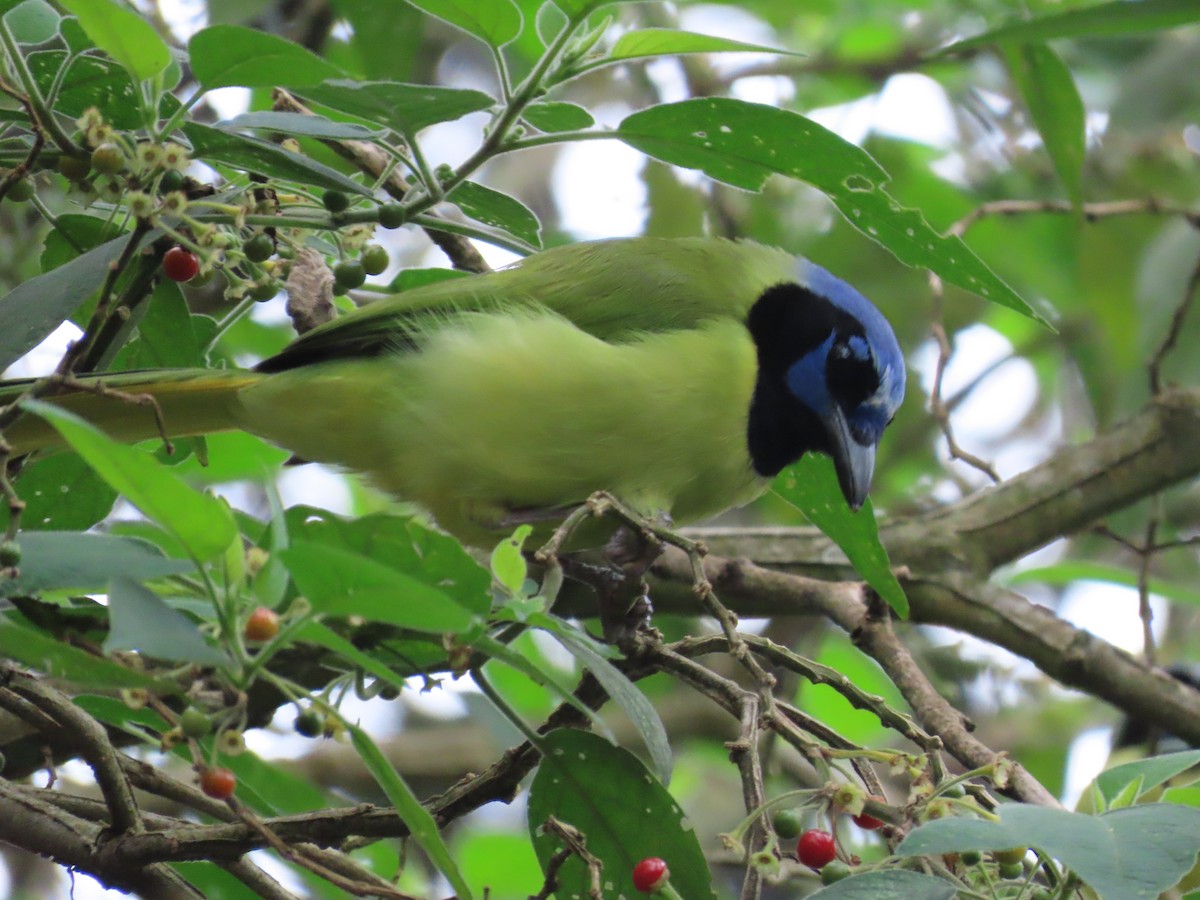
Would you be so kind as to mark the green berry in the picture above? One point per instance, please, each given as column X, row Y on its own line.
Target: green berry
column 74, row 168
column 171, row 180
column 195, row 723
column 374, row 259
column 1012, row 870
column 259, row 248
column 834, row 871
column 348, row 275
column 787, row 824
column 1011, row 855
column 391, row 215
column 264, row 291
column 389, row 692
column 310, row 723
column 336, row 201
column 970, row 857
column 20, row 191
column 107, row 159
column 10, row 554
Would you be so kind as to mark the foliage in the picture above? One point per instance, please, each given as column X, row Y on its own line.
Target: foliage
column 1061, row 220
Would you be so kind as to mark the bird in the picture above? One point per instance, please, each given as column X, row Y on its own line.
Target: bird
column 680, row 375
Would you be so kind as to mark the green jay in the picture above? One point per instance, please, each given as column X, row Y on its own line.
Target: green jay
column 679, row 374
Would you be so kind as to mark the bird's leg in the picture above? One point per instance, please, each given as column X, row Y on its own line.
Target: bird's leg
column 620, row 586
column 625, row 607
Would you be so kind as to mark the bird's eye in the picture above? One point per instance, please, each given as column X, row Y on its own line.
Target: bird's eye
column 850, row 371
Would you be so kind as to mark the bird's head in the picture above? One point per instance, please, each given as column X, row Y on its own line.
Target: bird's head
column 830, row 377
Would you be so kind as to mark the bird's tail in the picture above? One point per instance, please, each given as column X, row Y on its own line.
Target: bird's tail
column 135, row 406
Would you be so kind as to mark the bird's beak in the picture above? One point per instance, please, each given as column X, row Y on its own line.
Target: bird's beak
column 854, row 462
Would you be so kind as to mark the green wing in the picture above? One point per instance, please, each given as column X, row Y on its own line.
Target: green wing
column 614, row 290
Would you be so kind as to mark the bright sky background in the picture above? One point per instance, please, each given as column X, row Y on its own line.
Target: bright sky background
column 912, row 107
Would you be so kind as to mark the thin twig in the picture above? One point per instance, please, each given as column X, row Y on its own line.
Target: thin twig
column 1181, row 310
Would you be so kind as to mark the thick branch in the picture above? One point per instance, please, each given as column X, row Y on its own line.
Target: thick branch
column 951, row 553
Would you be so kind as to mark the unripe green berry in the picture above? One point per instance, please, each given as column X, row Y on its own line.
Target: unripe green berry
column 310, row 723
column 1011, row 855
column 834, row 871
column 391, row 215
column 195, row 723
column 348, row 275
column 74, row 168
column 20, row 191
column 264, row 291
column 172, row 180
column 107, row 159
column 970, row 857
column 374, row 259
column 336, row 201
column 1012, row 870
column 259, row 248
column 787, row 824
column 10, row 554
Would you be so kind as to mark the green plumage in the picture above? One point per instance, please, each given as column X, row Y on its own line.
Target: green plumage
column 621, row 365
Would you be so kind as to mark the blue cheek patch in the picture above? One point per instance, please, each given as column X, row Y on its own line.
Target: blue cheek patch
column 859, row 348
column 806, row 379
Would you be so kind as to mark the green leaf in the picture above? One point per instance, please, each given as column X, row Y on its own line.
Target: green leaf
column 496, row 22
column 498, row 210
column 663, row 41
column 405, row 108
column 508, row 562
column 252, row 154
column 1118, row 18
column 323, row 636
column 301, row 125
column 36, row 307
column 1125, row 854
column 165, row 336
column 140, row 620
column 422, row 825
column 57, row 560
column 1152, row 772
column 90, row 81
column 58, row 660
column 894, row 884
column 344, row 583
column 619, row 688
column 203, row 524
column 541, row 675
column 556, row 116
column 622, row 810
column 408, row 279
column 1056, row 108
column 233, row 56
column 122, row 34
column 62, row 493
column 743, row 144
column 31, row 22
column 811, row 486
column 578, row 9
column 431, row 556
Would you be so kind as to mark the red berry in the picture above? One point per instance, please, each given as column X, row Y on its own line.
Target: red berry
column 180, row 264
column 650, row 874
column 815, row 848
column 262, row 625
column 218, row 783
column 867, row 822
